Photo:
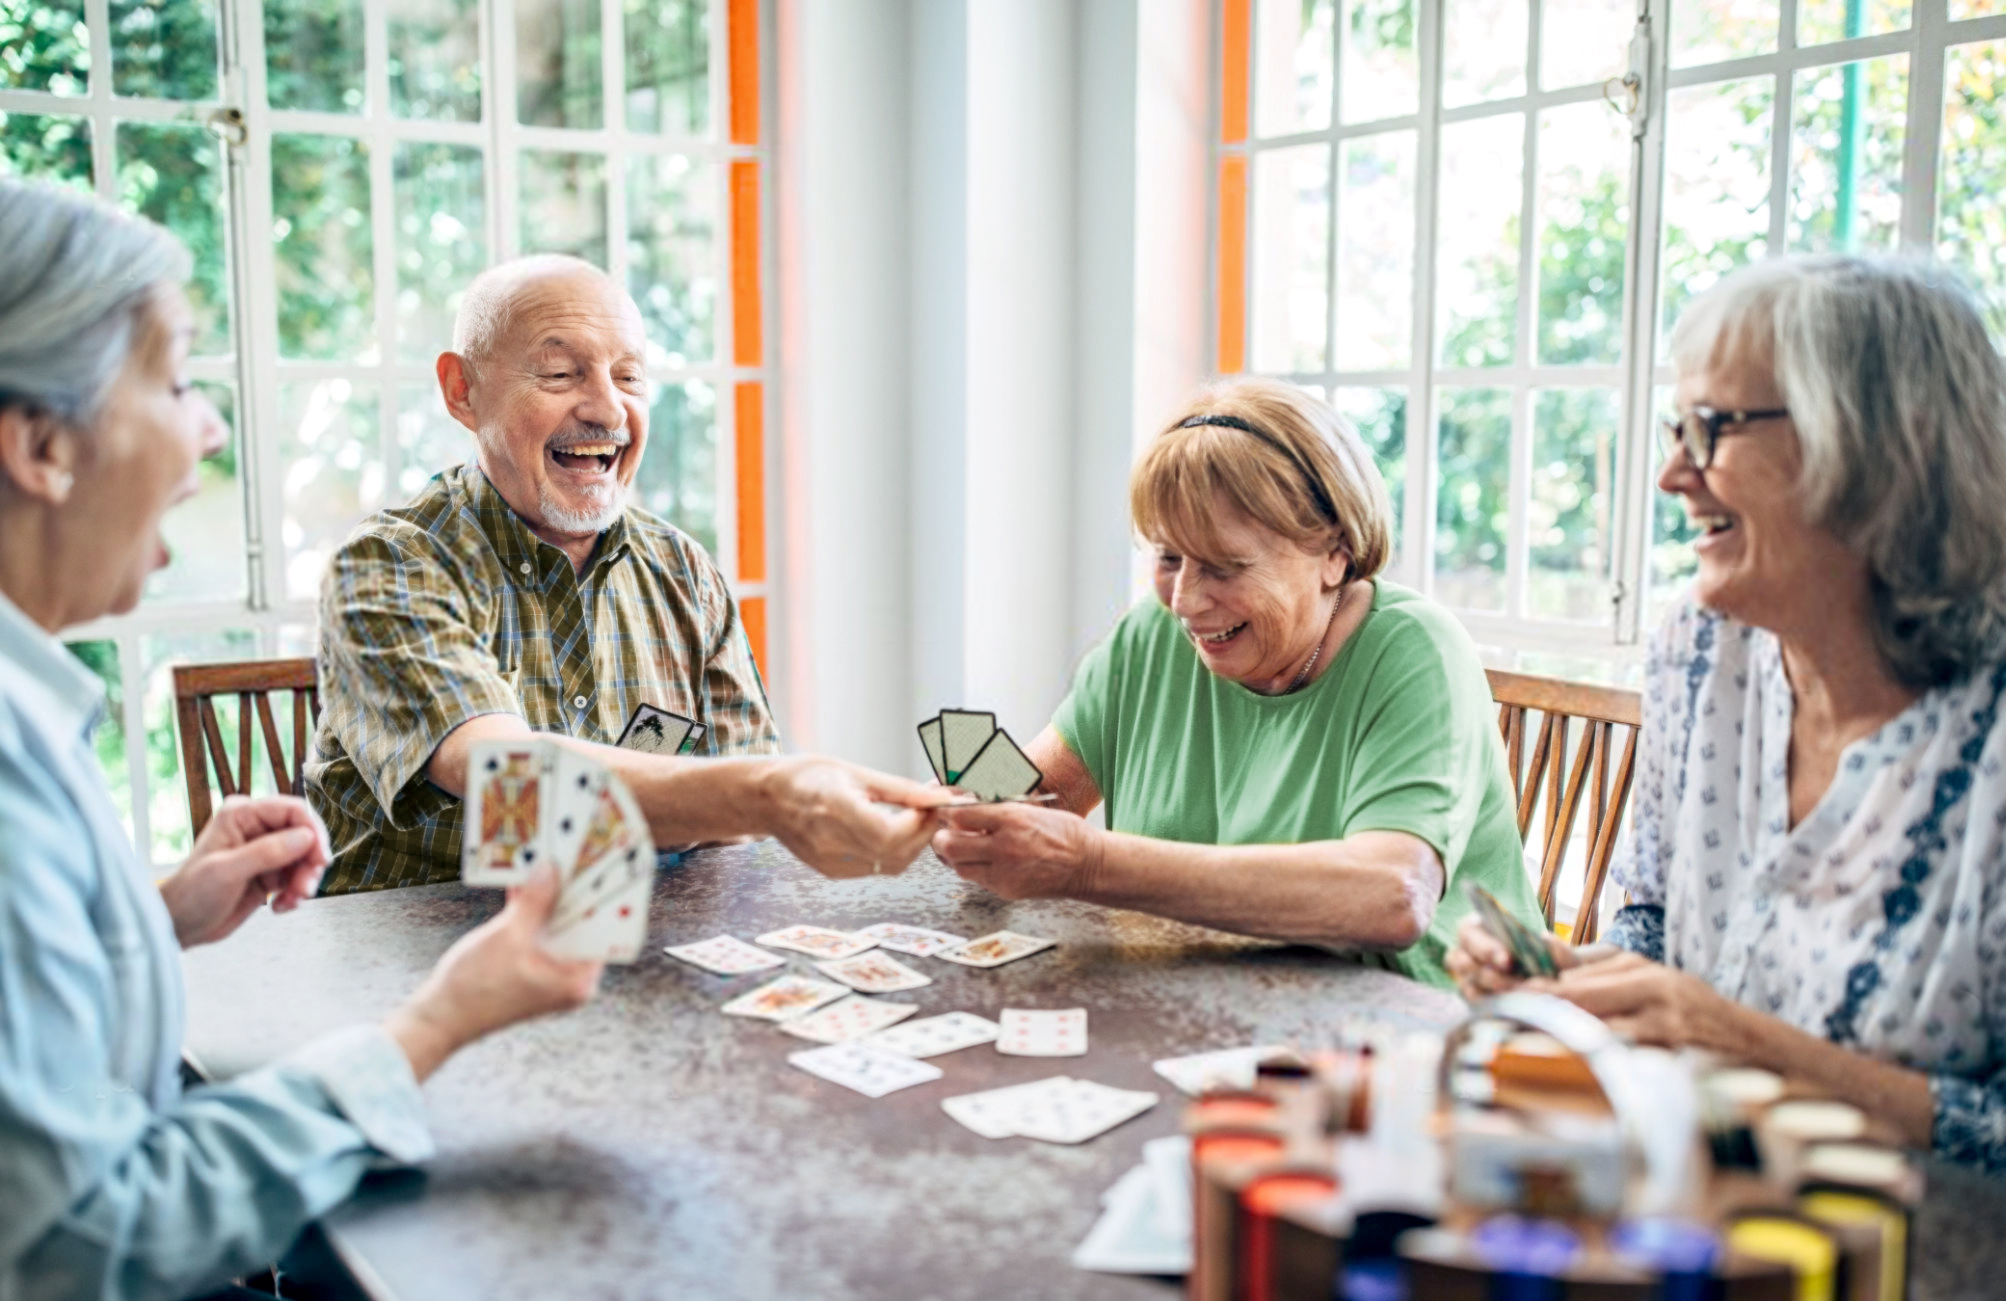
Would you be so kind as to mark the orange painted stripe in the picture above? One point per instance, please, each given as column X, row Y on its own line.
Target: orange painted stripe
column 751, row 443
column 752, row 613
column 1234, row 42
column 746, row 350
column 742, row 31
column 1232, row 289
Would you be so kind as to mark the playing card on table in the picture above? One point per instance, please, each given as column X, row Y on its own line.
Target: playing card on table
column 916, row 940
column 848, row 1018
column 993, row 1112
column 867, row 1070
column 789, row 996
column 727, row 955
column 1073, row 1111
column 1000, row 772
column 507, row 794
column 963, row 733
column 931, row 1036
column 817, row 941
column 614, row 929
column 929, row 739
column 874, row 973
column 995, row 950
column 1228, row 1068
column 1035, row 1033
column 657, row 731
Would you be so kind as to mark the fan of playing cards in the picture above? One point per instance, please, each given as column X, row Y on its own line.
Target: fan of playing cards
column 534, row 802
column 968, row 751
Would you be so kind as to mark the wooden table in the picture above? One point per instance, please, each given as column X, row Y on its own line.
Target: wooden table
column 649, row 1147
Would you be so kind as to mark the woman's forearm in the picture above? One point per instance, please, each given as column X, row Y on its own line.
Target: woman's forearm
column 1377, row 889
column 1893, row 1093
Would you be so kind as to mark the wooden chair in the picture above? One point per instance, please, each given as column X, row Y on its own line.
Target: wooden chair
column 253, row 682
column 1568, row 770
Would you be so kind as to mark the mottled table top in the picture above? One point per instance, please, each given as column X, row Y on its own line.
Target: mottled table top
column 648, row 1146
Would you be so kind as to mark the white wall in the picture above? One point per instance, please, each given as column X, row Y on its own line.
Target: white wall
column 992, row 231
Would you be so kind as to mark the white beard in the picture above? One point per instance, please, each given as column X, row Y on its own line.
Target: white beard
column 595, row 520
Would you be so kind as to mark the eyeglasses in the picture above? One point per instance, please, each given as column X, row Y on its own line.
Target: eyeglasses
column 1700, row 428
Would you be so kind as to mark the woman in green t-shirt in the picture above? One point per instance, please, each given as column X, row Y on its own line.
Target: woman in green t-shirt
column 1287, row 746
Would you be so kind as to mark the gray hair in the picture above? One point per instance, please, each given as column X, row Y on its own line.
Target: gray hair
column 76, row 276
column 485, row 309
column 1900, row 404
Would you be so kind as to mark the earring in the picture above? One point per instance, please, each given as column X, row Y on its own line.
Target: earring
column 62, row 481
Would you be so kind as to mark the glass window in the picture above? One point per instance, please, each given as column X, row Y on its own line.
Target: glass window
column 435, row 59
column 1375, row 253
column 1971, row 171
column 1477, row 240
column 163, row 49
column 314, row 55
column 563, row 203
column 671, row 263
column 323, row 245
column 1483, row 54
column 1714, row 31
column 678, row 478
column 668, row 67
column 1291, row 256
column 441, row 241
column 47, row 147
column 1472, row 504
column 1848, row 129
column 45, row 46
column 559, row 79
column 1381, row 74
column 1294, row 49
column 172, row 172
column 1569, row 539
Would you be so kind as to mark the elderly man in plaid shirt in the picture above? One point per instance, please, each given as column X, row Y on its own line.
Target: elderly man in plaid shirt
column 521, row 593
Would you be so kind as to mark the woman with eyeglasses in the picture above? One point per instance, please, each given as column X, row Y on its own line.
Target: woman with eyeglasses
column 1816, row 873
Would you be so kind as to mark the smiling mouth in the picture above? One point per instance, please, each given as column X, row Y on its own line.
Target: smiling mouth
column 1214, row 639
column 1713, row 525
column 587, row 458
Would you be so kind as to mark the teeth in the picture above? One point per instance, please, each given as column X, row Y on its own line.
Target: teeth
column 590, row 449
column 1713, row 523
column 1218, row 636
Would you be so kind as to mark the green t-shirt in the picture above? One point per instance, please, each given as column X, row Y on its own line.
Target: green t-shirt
column 1399, row 734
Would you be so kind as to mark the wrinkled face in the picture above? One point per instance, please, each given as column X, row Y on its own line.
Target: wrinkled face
column 1760, row 560
column 562, row 403
column 139, row 456
column 1257, row 612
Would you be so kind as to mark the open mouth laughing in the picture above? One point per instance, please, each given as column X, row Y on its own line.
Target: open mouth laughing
column 590, row 458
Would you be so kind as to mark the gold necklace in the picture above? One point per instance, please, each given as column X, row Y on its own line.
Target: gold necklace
column 1335, row 606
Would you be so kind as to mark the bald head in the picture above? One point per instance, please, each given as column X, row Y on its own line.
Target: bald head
column 489, row 309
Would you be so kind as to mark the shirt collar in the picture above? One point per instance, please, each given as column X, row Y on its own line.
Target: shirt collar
column 509, row 535
column 69, row 696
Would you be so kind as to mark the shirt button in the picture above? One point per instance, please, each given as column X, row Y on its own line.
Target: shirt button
column 578, row 702
column 526, row 567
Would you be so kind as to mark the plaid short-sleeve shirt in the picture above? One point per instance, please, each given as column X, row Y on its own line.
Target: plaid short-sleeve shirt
column 450, row 608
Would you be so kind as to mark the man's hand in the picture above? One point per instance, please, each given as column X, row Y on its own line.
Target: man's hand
column 273, row 847
column 829, row 815
column 1020, row 851
column 1650, row 1003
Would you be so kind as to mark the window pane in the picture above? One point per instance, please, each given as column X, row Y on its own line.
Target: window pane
column 1483, row 55
column 1819, row 21
column 1672, row 561
column 1375, row 253
column 428, row 440
column 1847, row 132
column 435, row 59
column 205, row 534
column 313, row 55
column 442, row 242
column 1291, row 242
column 1583, row 42
column 173, row 173
column 671, row 265
column 1477, row 293
column 1471, row 515
column 558, row 73
column 1962, row 9
column 1293, row 50
column 322, row 243
column 331, row 451
column 564, row 204
column 1380, row 417
column 164, row 49
column 1381, row 77
column 668, row 66
column 1716, row 186
column 1567, row 518
column 46, row 147
column 101, row 658
column 1584, row 221
column 1971, row 175
column 678, row 476
column 1710, row 31
column 44, row 45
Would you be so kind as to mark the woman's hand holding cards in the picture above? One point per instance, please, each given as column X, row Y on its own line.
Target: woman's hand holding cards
column 1483, row 965
column 1019, row 851
column 833, row 816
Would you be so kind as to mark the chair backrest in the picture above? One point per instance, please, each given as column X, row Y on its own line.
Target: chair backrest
column 1569, row 767
column 254, row 683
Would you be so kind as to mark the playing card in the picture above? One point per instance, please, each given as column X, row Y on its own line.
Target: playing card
column 1530, row 956
column 995, row 950
column 874, row 973
column 931, row 1036
column 1042, row 1033
column 689, row 744
column 574, row 785
column 849, row 1018
column 867, row 1070
column 655, row 731
column 993, row 1113
column 615, row 929
column 817, row 941
column 614, row 851
column 916, row 940
column 929, row 739
column 727, row 955
column 507, row 787
column 1073, row 1111
column 963, row 733
column 1000, row 772
column 1228, row 1068
column 782, row 999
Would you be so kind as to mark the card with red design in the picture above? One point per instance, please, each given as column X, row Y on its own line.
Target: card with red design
column 848, row 1018
column 1056, row 1033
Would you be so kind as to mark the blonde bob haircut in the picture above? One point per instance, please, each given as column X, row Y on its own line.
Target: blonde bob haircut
column 1280, row 456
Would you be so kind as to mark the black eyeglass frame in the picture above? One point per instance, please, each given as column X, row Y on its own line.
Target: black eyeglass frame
column 1698, row 431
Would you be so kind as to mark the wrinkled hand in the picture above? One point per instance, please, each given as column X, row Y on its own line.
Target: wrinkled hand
column 1648, row 1002
column 495, row 975
column 830, row 815
column 1020, row 851
column 273, row 847
column 1481, row 964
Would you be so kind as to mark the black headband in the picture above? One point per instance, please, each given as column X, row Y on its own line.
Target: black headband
column 1316, row 490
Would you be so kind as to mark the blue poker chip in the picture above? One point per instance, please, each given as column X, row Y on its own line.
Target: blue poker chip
column 1682, row 1254
column 1526, row 1257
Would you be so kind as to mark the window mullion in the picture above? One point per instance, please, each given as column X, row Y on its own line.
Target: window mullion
column 1421, row 436
column 1925, row 124
column 1518, row 474
column 254, row 263
column 382, row 226
column 498, row 100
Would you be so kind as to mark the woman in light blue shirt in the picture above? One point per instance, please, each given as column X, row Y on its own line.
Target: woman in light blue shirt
column 113, row 1181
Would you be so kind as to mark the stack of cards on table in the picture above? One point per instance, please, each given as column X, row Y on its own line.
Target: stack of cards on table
column 1057, row 1110
column 531, row 802
column 968, row 751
